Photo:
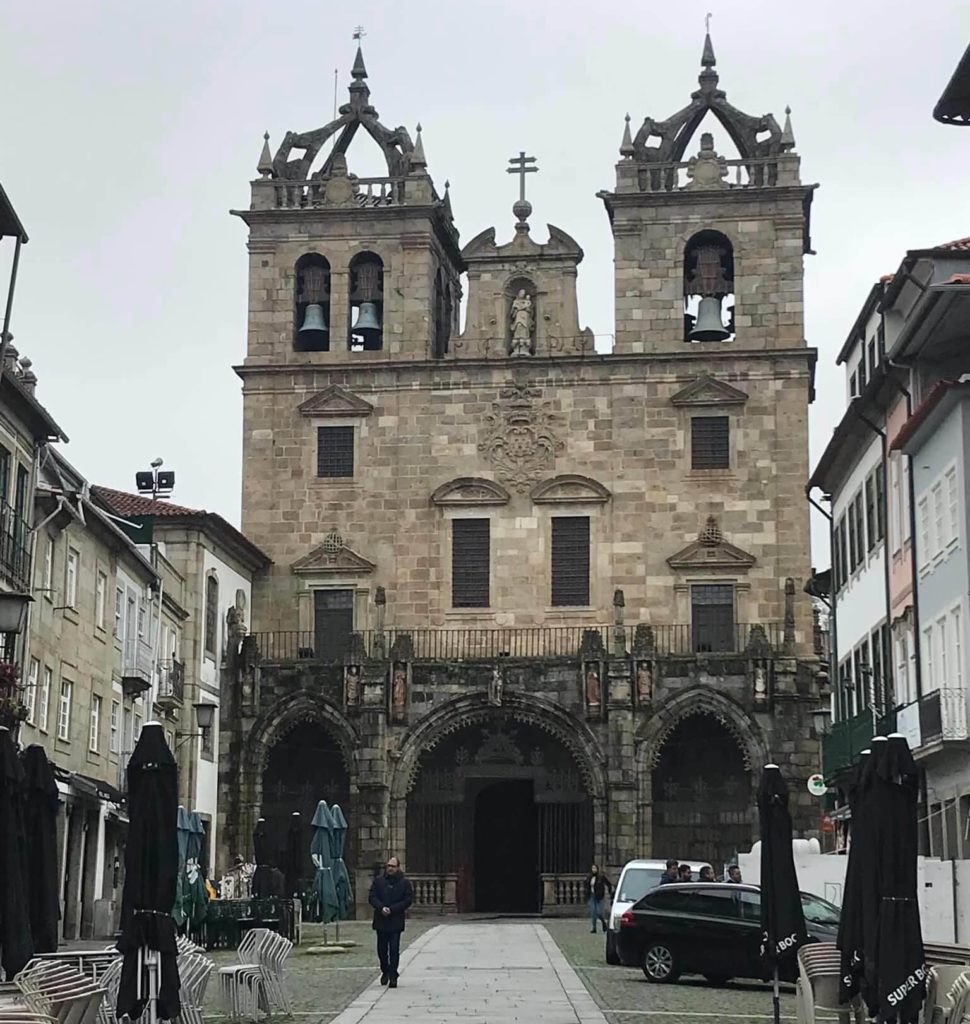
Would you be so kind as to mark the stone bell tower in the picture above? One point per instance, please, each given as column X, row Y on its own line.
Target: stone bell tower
column 708, row 251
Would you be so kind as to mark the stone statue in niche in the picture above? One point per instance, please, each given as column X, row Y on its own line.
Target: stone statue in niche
column 593, row 689
column 644, row 682
column 352, row 685
column 496, row 686
column 399, row 690
column 760, row 683
column 522, row 324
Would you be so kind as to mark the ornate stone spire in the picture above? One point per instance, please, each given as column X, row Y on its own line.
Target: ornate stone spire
column 626, row 146
column 708, row 59
column 265, row 166
column 446, row 201
column 358, row 72
column 708, row 76
column 359, row 92
column 418, row 161
column 787, row 135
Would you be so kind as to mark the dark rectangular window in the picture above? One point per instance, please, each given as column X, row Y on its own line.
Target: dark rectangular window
column 710, row 446
column 862, row 371
column 854, row 554
column 862, row 672
column 469, row 563
column 712, row 616
column 335, row 451
column 570, row 560
column 838, row 554
column 872, row 358
column 878, row 683
column 853, row 390
column 333, row 622
column 880, row 480
column 860, row 526
column 4, row 474
column 871, row 510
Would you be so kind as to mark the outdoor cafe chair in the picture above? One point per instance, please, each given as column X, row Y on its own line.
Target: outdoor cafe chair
column 242, row 985
column 954, row 1004
column 939, row 980
column 194, row 971
column 817, row 987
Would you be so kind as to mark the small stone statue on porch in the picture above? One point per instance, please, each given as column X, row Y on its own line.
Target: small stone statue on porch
column 399, row 694
column 644, row 682
column 521, row 324
column 593, row 688
column 496, row 686
column 760, row 683
column 352, row 685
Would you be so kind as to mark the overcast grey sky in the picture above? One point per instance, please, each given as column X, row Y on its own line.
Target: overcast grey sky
column 131, row 128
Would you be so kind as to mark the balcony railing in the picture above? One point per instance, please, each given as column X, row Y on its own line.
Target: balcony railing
column 850, row 736
column 943, row 716
column 171, row 682
column 434, row 892
column 137, row 663
column 14, row 548
column 538, row 642
column 755, row 172
column 306, row 194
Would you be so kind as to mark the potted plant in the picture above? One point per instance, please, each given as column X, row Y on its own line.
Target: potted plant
column 13, row 711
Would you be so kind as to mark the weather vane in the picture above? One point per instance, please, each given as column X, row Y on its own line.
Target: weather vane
column 359, row 32
column 707, row 21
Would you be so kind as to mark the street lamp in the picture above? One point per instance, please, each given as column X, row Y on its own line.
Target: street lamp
column 822, row 720
column 205, row 714
column 13, row 611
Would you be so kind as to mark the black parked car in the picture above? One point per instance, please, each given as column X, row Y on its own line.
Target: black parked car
column 713, row 929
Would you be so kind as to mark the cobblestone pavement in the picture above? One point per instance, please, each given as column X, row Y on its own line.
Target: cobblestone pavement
column 626, row 997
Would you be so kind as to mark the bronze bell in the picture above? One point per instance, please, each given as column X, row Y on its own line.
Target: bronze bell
column 367, row 323
column 709, row 326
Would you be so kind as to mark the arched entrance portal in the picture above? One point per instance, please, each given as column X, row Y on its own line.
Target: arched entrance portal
column 499, row 805
column 702, row 798
column 304, row 766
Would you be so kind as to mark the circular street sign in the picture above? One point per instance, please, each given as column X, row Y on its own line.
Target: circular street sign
column 816, row 785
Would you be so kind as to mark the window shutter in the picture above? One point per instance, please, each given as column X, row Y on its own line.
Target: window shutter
column 335, row 451
column 469, row 563
column 710, row 442
column 333, row 622
column 570, row 560
column 712, row 616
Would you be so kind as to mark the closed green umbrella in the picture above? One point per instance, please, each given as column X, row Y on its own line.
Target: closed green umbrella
column 198, row 896
column 321, row 853
column 340, row 873
column 183, row 831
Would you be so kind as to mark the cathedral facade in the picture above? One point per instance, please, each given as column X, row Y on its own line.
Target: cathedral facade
column 532, row 604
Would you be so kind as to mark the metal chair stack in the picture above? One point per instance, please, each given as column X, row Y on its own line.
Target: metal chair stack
column 57, row 992
column 256, row 982
column 817, row 987
column 947, row 995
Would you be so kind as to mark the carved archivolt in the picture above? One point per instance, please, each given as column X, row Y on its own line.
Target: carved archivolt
column 743, row 729
column 575, row 736
column 521, row 442
column 288, row 713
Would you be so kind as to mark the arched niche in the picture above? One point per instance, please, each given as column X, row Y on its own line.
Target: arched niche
column 521, row 315
column 708, row 287
column 366, row 303
column 311, row 304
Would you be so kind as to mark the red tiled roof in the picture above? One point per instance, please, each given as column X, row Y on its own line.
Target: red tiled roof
column 124, row 504
column 959, row 245
column 922, row 411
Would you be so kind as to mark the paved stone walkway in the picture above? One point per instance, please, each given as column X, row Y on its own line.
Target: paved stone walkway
column 484, row 973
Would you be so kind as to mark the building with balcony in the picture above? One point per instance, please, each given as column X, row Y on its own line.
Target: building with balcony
column 206, row 568
column 514, row 576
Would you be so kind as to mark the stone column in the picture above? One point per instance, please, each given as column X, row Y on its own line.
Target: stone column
column 372, row 804
column 621, row 764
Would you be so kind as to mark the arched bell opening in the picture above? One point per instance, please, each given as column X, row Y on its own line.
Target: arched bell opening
column 366, row 303
column 708, row 288
column 443, row 316
column 501, row 805
column 304, row 766
column 702, row 794
column 311, row 304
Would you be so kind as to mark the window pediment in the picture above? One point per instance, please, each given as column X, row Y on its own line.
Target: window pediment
column 570, row 489
column 708, row 390
column 326, row 560
column 470, row 490
column 711, row 552
column 335, row 401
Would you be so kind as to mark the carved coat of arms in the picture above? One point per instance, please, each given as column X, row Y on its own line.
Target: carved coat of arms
column 520, row 442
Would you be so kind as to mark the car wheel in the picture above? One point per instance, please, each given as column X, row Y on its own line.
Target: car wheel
column 659, row 964
column 717, row 979
column 612, row 957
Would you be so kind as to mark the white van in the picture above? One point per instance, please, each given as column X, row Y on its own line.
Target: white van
column 636, row 879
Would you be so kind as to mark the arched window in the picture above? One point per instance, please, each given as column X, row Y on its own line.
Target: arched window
column 442, row 316
column 708, row 288
column 311, row 304
column 211, row 616
column 521, row 316
column 366, row 303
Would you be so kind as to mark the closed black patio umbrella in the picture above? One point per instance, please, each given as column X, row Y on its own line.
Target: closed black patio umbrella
column 858, row 874
column 294, row 859
column 40, row 826
column 896, row 972
column 782, row 918
column 16, row 947
column 149, row 976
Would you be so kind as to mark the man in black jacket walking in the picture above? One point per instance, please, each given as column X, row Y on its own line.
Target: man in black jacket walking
column 390, row 896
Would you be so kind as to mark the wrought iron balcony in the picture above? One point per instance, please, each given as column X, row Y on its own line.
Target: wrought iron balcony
column 171, row 681
column 137, row 664
column 943, row 716
column 572, row 642
column 14, row 548
column 849, row 737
